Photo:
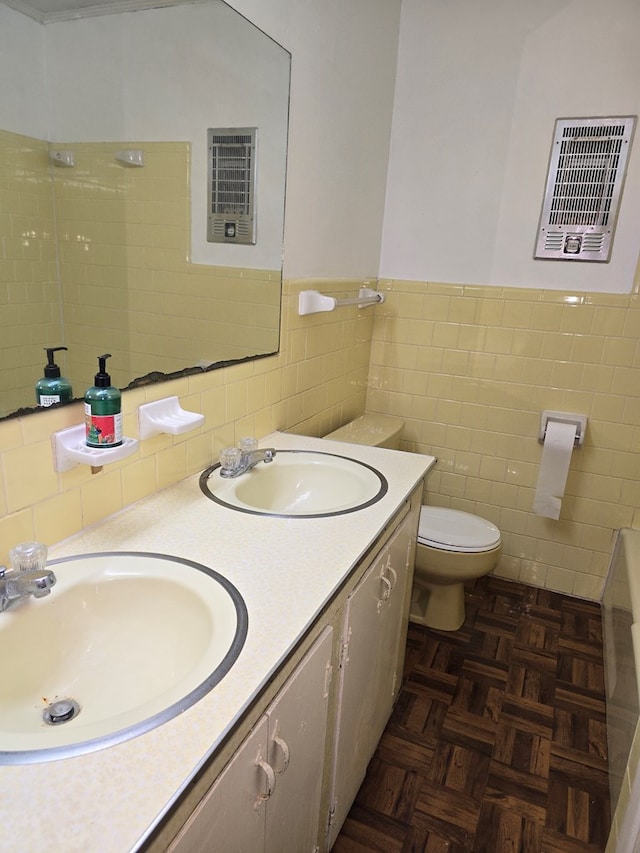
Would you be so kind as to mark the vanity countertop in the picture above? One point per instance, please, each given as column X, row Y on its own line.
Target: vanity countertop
column 110, row 800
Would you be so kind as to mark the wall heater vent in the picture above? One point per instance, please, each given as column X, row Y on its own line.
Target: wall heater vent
column 231, row 198
column 587, row 168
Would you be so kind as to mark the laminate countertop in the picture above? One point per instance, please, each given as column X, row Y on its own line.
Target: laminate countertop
column 287, row 570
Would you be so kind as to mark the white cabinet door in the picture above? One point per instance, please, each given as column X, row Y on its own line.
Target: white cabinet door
column 232, row 816
column 396, row 573
column 373, row 628
column 268, row 797
column 297, row 734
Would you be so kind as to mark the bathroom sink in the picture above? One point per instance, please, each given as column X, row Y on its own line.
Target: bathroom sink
column 124, row 642
column 298, row 483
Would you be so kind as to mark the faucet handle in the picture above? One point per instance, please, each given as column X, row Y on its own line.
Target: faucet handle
column 248, row 444
column 230, row 461
column 29, row 556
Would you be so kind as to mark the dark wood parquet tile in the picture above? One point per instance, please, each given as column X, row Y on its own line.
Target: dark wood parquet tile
column 521, row 749
column 406, row 750
column 418, row 718
column 528, row 715
column 498, row 741
column 503, row 829
column 447, row 812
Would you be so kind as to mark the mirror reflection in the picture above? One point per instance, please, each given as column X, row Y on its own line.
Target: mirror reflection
column 104, row 199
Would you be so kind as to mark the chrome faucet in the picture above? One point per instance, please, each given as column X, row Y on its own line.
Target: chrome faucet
column 17, row 586
column 234, row 461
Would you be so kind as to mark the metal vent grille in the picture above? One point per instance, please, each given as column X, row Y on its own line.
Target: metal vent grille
column 584, row 187
column 231, row 214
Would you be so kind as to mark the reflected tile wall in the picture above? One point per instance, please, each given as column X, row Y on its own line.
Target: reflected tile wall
column 128, row 285
column 29, row 296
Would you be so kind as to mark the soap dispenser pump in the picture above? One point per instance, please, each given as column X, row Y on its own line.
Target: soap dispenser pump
column 52, row 388
column 103, row 410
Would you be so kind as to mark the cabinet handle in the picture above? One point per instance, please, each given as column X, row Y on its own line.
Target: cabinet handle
column 386, row 583
column 394, row 575
column 284, row 749
column 267, row 769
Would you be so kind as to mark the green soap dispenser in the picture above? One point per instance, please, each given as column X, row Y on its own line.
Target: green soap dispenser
column 52, row 388
column 103, row 410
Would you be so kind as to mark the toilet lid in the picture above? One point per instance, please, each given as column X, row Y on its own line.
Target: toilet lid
column 453, row 530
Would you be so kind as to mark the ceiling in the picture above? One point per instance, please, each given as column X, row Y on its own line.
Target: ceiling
column 46, row 11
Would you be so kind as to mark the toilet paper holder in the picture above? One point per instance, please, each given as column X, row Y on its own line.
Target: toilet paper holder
column 579, row 421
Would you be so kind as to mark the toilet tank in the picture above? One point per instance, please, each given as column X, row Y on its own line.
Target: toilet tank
column 371, row 429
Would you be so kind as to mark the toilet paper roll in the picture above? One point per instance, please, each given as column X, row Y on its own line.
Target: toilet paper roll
column 554, row 468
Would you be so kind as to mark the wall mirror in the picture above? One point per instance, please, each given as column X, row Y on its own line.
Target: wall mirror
column 104, row 167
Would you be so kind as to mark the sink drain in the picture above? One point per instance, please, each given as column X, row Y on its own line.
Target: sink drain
column 60, row 712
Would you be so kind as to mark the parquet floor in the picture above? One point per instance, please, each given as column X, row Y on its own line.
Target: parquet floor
column 497, row 743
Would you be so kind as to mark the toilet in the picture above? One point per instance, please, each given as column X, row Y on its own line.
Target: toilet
column 453, row 546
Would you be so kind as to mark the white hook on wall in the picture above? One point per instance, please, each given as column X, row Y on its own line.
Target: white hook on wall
column 62, row 158
column 130, row 156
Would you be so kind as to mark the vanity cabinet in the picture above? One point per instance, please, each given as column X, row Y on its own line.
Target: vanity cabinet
column 289, row 784
column 371, row 661
column 268, row 796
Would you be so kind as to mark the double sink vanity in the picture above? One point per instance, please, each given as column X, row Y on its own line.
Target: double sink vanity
column 233, row 648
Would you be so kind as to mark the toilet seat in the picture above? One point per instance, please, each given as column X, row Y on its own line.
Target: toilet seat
column 453, row 530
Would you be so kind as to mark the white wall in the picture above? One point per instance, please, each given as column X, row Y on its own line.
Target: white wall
column 23, row 102
column 479, row 87
column 167, row 75
column 343, row 73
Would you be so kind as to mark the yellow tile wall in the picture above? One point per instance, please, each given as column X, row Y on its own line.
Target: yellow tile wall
column 316, row 382
column 471, row 369
column 128, row 285
column 29, row 293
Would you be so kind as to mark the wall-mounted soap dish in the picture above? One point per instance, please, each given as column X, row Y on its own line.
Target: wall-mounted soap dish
column 69, row 449
column 168, row 416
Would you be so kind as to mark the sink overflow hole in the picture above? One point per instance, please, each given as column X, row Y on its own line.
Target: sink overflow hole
column 60, row 712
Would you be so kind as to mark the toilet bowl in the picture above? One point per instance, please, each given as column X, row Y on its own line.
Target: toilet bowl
column 453, row 547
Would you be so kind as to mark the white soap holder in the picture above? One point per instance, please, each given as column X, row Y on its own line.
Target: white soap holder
column 69, row 449
column 168, row 416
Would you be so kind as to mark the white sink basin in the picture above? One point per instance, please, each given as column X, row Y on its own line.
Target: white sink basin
column 298, row 483
column 132, row 638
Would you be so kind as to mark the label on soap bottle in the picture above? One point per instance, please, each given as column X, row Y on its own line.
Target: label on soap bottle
column 102, row 430
column 46, row 400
